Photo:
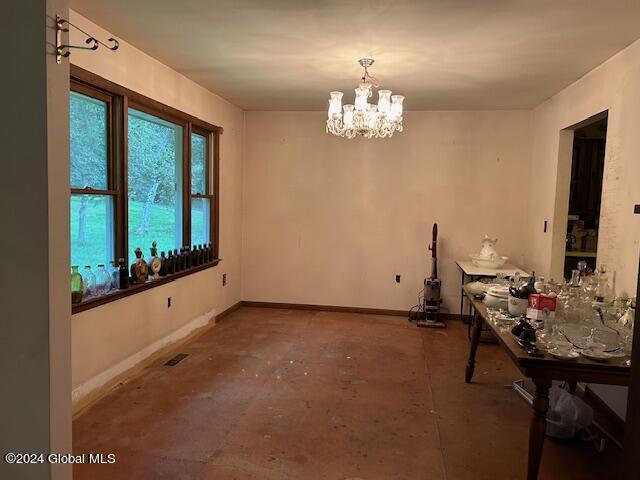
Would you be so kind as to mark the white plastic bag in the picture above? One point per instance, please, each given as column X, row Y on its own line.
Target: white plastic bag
column 567, row 415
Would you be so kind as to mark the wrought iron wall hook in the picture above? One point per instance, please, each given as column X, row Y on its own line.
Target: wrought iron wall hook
column 63, row 50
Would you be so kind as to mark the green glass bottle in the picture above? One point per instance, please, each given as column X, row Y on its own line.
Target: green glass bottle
column 76, row 285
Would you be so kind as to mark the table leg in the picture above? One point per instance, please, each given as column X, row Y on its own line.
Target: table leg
column 475, row 339
column 462, row 298
column 538, row 426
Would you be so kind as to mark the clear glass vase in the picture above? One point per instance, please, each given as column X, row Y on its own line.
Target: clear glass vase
column 103, row 280
column 88, row 281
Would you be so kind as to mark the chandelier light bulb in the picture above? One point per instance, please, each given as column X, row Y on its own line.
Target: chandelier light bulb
column 348, row 116
column 384, row 101
column 362, row 118
column 335, row 104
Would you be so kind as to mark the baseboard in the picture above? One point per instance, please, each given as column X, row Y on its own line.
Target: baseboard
column 325, row 308
column 337, row 308
column 604, row 415
column 229, row 311
column 96, row 387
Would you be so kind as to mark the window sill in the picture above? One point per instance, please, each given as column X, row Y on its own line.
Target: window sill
column 133, row 289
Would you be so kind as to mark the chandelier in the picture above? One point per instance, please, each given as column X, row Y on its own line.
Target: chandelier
column 363, row 118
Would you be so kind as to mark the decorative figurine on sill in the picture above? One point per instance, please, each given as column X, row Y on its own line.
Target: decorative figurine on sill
column 76, row 285
column 154, row 262
column 123, row 275
column 139, row 268
column 163, row 265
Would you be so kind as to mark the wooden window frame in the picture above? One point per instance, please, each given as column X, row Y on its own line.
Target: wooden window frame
column 120, row 99
column 211, row 178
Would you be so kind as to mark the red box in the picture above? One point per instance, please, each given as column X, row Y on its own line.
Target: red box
column 539, row 301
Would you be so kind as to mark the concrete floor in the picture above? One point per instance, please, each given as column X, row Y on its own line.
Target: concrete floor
column 282, row 394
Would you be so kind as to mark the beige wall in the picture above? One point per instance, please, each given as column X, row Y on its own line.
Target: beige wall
column 108, row 335
column 613, row 86
column 35, row 341
column 331, row 221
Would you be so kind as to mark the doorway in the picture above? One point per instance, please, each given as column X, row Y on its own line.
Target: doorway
column 585, row 192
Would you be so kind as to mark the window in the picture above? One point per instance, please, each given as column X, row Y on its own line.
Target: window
column 154, row 178
column 92, row 199
column 201, row 197
column 140, row 172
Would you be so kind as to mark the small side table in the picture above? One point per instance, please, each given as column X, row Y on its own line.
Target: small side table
column 471, row 272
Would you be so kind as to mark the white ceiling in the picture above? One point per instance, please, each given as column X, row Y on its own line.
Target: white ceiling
column 441, row 54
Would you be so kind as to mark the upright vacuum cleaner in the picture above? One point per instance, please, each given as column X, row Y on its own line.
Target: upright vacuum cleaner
column 428, row 312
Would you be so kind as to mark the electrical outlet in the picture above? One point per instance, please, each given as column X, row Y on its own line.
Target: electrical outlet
column 168, row 302
column 397, row 278
column 224, row 279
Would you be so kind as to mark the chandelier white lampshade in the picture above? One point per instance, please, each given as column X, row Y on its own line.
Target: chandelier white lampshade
column 363, row 118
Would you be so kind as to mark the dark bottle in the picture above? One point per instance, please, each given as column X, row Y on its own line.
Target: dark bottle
column 210, row 252
column 171, row 266
column 528, row 288
column 163, row 264
column 123, row 275
column 200, row 254
column 183, row 258
column 178, row 260
column 194, row 256
column 188, row 256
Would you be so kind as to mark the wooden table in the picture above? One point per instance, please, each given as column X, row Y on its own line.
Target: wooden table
column 542, row 370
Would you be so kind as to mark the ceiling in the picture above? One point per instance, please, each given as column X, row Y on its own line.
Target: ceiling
column 441, row 54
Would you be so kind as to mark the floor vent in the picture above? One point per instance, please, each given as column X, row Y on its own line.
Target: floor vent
column 177, row 359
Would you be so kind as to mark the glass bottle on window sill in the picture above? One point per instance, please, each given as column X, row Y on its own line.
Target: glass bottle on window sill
column 89, row 281
column 103, row 280
column 163, row 264
column 76, row 285
column 123, row 275
column 171, row 267
column 115, row 275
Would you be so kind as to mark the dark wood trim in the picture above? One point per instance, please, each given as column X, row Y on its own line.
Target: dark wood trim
column 326, row 308
column 81, row 75
column 607, row 418
column 113, row 103
column 123, row 179
column 151, row 111
column 92, row 191
column 214, row 227
column 133, row 289
column 229, row 311
column 186, row 186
